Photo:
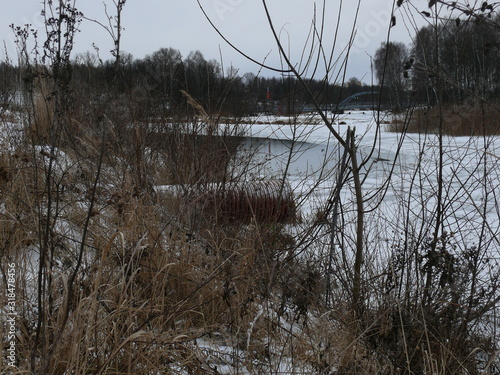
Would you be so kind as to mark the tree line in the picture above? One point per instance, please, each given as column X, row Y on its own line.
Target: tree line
column 458, row 56
column 158, row 80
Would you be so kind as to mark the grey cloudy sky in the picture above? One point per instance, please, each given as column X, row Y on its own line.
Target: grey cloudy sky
column 153, row 24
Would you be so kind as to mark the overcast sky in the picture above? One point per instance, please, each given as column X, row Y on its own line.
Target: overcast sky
column 153, row 24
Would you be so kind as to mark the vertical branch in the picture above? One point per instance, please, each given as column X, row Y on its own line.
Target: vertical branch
column 83, row 244
column 356, row 291
column 61, row 24
column 336, row 202
column 119, row 7
column 440, row 182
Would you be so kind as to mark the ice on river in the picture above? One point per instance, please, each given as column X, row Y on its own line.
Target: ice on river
column 398, row 171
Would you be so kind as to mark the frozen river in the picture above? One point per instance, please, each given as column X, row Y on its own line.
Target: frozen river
column 399, row 176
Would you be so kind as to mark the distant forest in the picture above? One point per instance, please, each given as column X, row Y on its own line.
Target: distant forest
column 157, row 81
column 461, row 57
column 454, row 63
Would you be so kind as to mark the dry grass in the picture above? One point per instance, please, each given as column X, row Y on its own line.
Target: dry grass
column 457, row 120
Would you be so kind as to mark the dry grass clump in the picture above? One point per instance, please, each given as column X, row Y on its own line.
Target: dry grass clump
column 43, row 121
column 455, row 120
column 194, row 158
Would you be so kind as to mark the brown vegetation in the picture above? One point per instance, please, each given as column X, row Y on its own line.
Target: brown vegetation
column 454, row 120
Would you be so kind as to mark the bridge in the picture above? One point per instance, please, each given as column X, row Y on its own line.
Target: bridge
column 369, row 100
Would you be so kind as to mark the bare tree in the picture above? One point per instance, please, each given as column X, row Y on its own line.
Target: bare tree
column 114, row 27
column 389, row 63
